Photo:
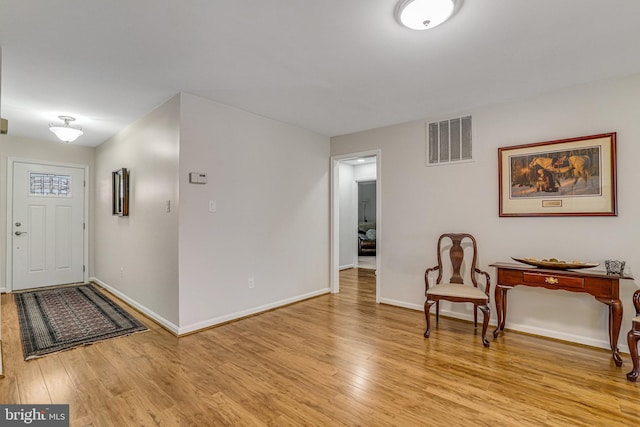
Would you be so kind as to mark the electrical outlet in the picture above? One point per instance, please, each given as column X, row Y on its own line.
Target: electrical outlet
column 252, row 283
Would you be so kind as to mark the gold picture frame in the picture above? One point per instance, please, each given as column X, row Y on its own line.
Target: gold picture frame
column 568, row 177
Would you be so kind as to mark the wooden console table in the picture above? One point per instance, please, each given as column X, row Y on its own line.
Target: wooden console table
column 604, row 287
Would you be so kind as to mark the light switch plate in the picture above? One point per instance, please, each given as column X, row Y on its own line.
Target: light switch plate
column 197, row 177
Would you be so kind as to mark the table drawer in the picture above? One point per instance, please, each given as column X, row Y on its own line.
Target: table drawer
column 553, row 280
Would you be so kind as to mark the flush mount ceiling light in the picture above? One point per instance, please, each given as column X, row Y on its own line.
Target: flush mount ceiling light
column 425, row 14
column 65, row 132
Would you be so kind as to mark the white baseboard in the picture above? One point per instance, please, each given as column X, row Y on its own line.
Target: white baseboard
column 578, row 339
column 346, row 267
column 3, row 290
column 161, row 320
column 401, row 304
column 210, row 322
column 248, row 312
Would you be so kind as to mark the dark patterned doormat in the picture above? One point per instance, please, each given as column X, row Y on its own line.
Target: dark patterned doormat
column 58, row 319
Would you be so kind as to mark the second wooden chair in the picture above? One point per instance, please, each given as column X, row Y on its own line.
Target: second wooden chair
column 633, row 337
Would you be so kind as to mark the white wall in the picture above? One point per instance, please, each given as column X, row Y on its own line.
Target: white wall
column 366, row 172
column 367, row 202
column 419, row 203
column 24, row 148
column 347, row 216
column 270, row 184
column 137, row 256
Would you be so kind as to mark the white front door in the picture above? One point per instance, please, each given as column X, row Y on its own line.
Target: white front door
column 47, row 225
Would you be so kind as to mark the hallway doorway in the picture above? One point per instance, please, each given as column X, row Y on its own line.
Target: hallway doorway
column 355, row 221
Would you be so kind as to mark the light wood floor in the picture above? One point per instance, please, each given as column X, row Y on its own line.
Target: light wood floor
column 332, row 360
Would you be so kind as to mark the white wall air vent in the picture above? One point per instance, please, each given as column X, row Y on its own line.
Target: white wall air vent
column 449, row 141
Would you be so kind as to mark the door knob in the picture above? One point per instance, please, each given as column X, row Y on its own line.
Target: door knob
column 17, row 233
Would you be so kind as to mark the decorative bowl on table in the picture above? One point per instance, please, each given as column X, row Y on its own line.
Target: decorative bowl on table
column 555, row 264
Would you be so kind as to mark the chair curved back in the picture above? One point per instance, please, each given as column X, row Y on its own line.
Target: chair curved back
column 456, row 255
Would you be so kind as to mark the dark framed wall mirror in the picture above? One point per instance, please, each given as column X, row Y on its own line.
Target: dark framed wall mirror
column 120, row 193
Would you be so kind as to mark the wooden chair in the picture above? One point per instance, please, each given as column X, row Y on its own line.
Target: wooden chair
column 455, row 289
column 632, row 338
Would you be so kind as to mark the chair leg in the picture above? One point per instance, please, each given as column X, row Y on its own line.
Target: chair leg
column 486, row 311
column 475, row 316
column 427, row 308
column 632, row 339
column 437, row 311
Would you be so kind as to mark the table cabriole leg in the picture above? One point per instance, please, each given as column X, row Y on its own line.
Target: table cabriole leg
column 501, row 308
column 615, row 323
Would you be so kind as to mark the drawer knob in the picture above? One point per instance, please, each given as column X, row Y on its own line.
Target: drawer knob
column 551, row 280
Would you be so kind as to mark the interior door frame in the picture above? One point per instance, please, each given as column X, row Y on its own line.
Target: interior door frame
column 9, row 228
column 334, row 260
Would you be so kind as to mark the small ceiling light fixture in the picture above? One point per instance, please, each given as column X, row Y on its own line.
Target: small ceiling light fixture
column 425, row 14
column 66, row 133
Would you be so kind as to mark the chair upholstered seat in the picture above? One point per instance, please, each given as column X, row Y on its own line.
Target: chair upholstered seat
column 457, row 290
column 636, row 319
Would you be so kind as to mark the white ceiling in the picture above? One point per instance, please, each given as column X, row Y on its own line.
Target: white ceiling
column 331, row 66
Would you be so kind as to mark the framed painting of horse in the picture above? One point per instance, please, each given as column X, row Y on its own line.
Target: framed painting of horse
column 568, row 177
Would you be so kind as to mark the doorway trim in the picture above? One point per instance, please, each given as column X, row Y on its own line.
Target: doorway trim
column 9, row 217
column 334, row 260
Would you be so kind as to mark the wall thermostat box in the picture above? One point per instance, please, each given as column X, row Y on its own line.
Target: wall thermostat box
column 197, row 177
